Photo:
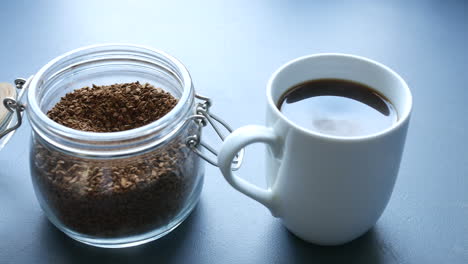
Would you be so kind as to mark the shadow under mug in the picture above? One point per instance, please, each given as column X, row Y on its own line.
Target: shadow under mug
column 326, row 189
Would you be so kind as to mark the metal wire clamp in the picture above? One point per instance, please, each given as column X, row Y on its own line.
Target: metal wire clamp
column 203, row 117
column 13, row 106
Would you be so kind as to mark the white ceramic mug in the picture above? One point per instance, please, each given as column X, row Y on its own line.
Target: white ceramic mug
column 326, row 189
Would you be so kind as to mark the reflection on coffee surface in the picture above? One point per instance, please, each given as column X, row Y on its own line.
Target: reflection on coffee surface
column 337, row 107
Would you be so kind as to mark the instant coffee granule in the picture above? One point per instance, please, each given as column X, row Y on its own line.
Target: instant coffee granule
column 112, row 108
column 115, row 197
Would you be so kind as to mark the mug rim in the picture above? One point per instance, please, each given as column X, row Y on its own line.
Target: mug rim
column 401, row 120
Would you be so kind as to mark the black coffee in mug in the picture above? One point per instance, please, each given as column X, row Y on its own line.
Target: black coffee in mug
column 337, row 107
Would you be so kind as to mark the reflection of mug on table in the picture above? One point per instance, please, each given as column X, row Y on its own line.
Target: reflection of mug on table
column 326, row 189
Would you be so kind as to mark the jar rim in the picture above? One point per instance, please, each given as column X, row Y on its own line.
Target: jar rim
column 109, row 136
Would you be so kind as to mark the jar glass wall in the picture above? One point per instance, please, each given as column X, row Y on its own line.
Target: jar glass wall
column 122, row 188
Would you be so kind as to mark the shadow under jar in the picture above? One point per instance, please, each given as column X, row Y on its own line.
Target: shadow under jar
column 114, row 189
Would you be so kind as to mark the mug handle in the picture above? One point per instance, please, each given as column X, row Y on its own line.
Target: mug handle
column 236, row 141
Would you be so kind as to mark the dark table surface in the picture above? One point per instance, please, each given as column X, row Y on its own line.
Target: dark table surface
column 231, row 49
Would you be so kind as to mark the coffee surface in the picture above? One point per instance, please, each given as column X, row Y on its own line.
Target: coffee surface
column 112, row 108
column 337, row 107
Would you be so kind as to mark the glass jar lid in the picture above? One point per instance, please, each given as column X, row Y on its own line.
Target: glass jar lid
column 6, row 91
column 9, row 98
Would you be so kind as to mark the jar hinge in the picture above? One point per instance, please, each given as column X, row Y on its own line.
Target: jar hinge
column 202, row 117
column 14, row 106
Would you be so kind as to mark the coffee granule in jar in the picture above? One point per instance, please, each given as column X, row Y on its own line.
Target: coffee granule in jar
column 112, row 108
column 117, row 197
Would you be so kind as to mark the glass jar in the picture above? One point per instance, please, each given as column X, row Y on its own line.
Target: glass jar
column 115, row 189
